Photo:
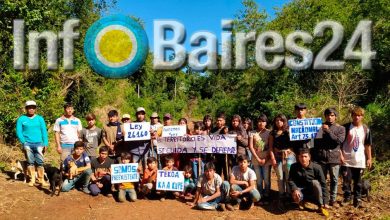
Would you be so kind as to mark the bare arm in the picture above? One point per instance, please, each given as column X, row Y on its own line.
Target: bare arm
column 58, row 143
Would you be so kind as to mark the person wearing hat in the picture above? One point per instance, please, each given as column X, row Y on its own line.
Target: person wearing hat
column 300, row 111
column 32, row 133
column 125, row 118
column 326, row 151
column 140, row 149
column 67, row 130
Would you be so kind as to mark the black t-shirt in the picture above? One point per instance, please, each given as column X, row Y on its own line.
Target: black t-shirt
column 97, row 167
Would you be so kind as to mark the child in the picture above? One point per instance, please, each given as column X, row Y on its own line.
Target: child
column 101, row 173
column 148, row 183
column 242, row 184
column 113, row 134
column 77, row 168
column 92, row 136
column 189, row 183
column 126, row 188
column 169, row 166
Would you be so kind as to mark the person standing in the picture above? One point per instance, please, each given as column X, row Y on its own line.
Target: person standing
column 140, row 149
column 91, row 136
column 32, row 134
column 356, row 156
column 67, row 131
column 326, row 151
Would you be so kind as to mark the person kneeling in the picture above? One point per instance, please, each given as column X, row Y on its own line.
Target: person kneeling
column 77, row 168
column 307, row 182
column 242, row 187
column 208, row 193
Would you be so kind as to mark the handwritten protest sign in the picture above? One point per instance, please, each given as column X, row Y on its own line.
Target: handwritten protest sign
column 137, row 131
column 216, row 144
column 170, row 180
column 303, row 129
column 174, row 131
column 124, row 173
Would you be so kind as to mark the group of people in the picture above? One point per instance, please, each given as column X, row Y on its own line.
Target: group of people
column 214, row 181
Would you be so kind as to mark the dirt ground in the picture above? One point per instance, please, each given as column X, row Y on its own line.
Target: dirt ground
column 19, row 201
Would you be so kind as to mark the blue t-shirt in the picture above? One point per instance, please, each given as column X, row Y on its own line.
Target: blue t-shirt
column 82, row 161
column 32, row 130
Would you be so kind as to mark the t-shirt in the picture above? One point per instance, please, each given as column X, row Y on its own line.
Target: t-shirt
column 82, row 161
column 97, row 167
column 207, row 189
column 32, row 130
column 261, row 146
column 353, row 147
column 149, row 176
column 92, row 138
column 249, row 174
column 68, row 129
column 129, row 185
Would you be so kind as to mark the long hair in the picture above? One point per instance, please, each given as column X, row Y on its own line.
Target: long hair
column 284, row 120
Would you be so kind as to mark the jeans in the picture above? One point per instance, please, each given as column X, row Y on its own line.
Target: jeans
column 33, row 152
column 122, row 195
column 312, row 193
column 189, row 187
column 263, row 176
column 210, row 205
column 106, row 181
column 80, row 180
column 253, row 195
column 334, row 176
column 352, row 174
column 195, row 166
column 282, row 171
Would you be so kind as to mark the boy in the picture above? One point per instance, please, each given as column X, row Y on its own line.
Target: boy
column 113, row 133
column 77, row 168
column 149, row 178
column 67, row 131
column 92, row 136
column 208, row 193
column 126, row 188
column 169, row 166
column 242, row 184
column 101, row 173
column 356, row 156
column 300, row 111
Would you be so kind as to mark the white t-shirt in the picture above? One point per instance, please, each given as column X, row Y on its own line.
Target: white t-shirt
column 353, row 148
column 68, row 128
column 208, row 189
column 249, row 175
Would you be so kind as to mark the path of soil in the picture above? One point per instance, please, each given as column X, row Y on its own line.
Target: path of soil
column 18, row 201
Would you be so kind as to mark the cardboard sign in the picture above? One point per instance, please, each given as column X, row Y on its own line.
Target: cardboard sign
column 303, row 129
column 170, row 180
column 124, row 173
column 174, row 131
column 215, row 144
column 137, row 131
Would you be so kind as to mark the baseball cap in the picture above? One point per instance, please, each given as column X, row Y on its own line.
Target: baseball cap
column 30, row 103
column 140, row 109
column 300, row 106
column 126, row 116
column 154, row 115
column 168, row 116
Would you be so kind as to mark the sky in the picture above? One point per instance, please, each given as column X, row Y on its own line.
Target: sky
column 200, row 15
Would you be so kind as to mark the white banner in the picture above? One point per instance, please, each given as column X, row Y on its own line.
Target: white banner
column 303, row 129
column 170, row 180
column 137, row 131
column 216, row 144
column 124, row 173
column 174, row 131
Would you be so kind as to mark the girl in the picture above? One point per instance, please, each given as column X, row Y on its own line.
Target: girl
column 281, row 153
column 207, row 124
column 242, row 136
column 258, row 145
column 183, row 159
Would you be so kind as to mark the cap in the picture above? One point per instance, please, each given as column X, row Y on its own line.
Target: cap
column 140, row 109
column 154, row 115
column 30, row 103
column 168, row 116
column 126, row 116
column 300, row 106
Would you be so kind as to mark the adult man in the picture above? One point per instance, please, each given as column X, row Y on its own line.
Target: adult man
column 326, row 151
column 32, row 134
column 356, row 156
column 300, row 111
column 140, row 148
column 307, row 181
column 101, row 173
column 67, row 131
column 113, row 134
column 222, row 161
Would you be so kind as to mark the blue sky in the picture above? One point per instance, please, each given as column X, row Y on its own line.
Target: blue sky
column 200, row 15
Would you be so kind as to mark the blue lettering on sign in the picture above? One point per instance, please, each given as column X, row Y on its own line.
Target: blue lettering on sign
column 125, row 169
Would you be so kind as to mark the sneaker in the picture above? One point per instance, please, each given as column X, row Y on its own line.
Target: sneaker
column 346, row 202
column 221, row 207
column 229, row 207
column 86, row 190
column 357, row 203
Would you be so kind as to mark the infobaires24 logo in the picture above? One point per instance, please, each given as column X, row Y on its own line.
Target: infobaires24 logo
column 116, row 46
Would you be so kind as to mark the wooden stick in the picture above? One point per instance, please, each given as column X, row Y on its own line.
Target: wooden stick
column 199, row 165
